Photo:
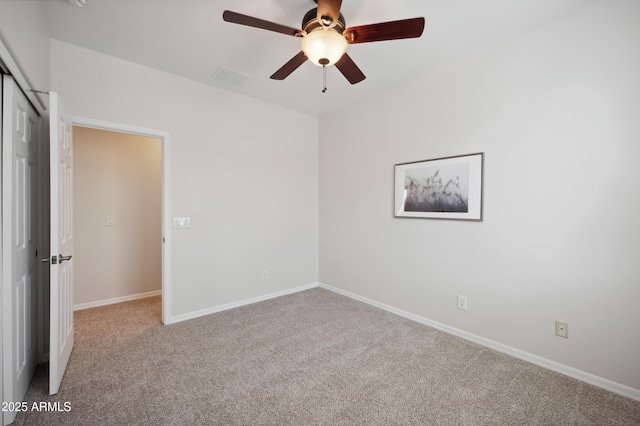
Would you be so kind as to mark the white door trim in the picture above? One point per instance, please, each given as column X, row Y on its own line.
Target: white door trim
column 165, row 137
column 1, row 244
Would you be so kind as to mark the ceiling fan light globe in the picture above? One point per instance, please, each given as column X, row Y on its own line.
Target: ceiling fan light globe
column 324, row 45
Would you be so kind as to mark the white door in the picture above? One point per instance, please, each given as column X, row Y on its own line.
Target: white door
column 20, row 126
column 61, row 229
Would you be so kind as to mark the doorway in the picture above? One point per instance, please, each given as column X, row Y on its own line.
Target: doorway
column 110, row 221
column 117, row 217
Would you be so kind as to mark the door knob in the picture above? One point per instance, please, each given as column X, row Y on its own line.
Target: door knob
column 62, row 258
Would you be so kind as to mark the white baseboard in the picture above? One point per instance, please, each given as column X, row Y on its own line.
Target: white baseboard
column 104, row 302
column 219, row 308
column 609, row 385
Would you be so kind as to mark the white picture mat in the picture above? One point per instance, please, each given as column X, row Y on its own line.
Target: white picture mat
column 473, row 185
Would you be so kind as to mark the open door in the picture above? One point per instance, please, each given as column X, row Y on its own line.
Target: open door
column 61, row 229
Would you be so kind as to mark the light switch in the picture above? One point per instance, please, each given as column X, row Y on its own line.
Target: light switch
column 111, row 221
column 181, row 222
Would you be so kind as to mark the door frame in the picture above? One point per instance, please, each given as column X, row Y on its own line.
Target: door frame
column 165, row 139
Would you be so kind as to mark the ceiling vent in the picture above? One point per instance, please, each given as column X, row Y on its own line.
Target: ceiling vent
column 229, row 76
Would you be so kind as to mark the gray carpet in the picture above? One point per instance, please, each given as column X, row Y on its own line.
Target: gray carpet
column 311, row 358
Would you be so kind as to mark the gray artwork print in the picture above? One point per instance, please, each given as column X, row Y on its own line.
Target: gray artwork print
column 437, row 189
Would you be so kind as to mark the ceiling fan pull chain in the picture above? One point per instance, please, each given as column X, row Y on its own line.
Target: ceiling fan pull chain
column 324, row 62
column 324, row 78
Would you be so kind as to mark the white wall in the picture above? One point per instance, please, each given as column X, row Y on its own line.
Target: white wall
column 119, row 175
column 244, row 171
column 556, row 112
column 23, row 30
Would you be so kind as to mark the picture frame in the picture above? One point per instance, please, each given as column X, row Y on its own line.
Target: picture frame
column 440, row 188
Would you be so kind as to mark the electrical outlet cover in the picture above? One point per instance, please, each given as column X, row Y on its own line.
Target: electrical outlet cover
column 462, row 302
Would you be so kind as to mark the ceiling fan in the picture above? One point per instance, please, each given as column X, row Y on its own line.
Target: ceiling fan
column 325, row 37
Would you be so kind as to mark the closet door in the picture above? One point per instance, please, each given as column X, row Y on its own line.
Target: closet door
column 20, row 126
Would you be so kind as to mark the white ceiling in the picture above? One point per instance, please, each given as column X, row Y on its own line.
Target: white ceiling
column 189, row 38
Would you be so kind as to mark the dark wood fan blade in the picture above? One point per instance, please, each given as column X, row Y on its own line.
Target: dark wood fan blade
column 250, row 21
column 329, row 9
column 349, row 69
column 290, row 66
column 393, row 30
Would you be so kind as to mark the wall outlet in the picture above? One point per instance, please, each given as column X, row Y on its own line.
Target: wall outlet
column 462, row 302
column 265, row 275
column 562, row 329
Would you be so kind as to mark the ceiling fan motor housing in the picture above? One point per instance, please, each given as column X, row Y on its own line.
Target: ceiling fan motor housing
column 310, row 22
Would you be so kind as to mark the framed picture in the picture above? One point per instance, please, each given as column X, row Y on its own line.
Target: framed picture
column 442, row 188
